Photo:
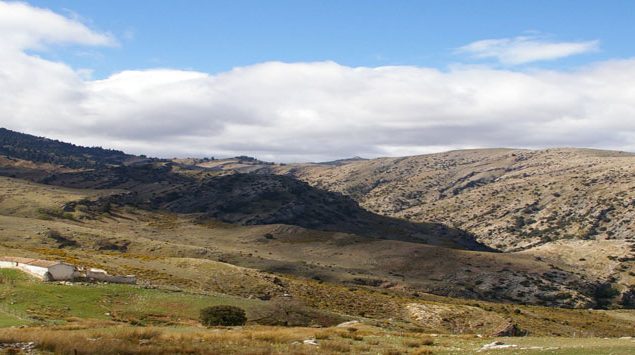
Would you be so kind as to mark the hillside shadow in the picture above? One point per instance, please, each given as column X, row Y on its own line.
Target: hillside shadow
column 253, row 199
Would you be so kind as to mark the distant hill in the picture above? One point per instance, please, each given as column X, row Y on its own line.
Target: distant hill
column 512, row 199
column 255, row 199
column 43, row 150
column 342, row 161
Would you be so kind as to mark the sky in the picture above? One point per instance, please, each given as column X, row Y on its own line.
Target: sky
column 302, row 80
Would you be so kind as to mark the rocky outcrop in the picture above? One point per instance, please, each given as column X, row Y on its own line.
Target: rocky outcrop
column 509, row 330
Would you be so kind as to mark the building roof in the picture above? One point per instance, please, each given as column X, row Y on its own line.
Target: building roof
column 29, row 261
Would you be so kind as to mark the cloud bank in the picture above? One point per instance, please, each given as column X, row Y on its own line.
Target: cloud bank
column 304, row 111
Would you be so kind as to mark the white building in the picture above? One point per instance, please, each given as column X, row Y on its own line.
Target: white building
column 42, row 269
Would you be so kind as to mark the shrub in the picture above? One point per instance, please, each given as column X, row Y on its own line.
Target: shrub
column 61, row 240
column 628, row 298
column 604, row 293
column 223, row 315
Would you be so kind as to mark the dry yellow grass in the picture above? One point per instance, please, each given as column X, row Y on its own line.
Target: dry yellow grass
column 108, row 339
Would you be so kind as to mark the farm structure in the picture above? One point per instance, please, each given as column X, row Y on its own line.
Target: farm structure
column 47, row 270
column 43, row 269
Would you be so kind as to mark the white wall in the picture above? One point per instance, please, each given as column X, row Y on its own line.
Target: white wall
column 34, row 270
column 59, row 272
column 7, row 265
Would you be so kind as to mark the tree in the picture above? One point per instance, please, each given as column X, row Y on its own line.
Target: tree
column 223, row 315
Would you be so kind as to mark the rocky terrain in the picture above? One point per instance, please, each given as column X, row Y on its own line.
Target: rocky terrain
column 251, row 199
column 537, row 227
column 572, row 206
column 510, row 199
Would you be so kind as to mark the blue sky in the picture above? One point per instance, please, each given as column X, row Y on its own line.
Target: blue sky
column 319, row 80
column 214, row 36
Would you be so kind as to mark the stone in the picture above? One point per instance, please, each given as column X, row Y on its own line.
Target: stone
column 496, row 346
column 509, row 330
column 347, row 324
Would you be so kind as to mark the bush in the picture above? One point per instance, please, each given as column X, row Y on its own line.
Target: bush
column 223, row 315
column 628, row 298
column 603, row 295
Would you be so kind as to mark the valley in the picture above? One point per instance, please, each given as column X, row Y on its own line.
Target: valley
column 408, row 246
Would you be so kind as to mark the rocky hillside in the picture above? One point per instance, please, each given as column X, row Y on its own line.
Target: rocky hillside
column 510, row 199
column 253, row 199
column 62, row 220
column 183, row 187
column 563, row 216
column 571, row 207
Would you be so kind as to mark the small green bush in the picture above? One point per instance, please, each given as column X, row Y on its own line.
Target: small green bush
column 223, row 315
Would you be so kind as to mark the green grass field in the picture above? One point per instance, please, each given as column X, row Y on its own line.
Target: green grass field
column 25, row 300
column 106, row 318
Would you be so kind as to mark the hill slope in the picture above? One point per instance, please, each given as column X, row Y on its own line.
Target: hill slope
column 238, row 198
column 510, row 199
column 572, row 206
column 127, row 240
column 524, row 202
column 43, row 150
column 253, row 199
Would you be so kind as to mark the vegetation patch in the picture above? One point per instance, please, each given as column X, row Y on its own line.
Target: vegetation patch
column 223, row 315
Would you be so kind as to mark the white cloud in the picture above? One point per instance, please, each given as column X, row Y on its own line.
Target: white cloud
column 318, row 111
column 526, row 49
column 26, row 27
